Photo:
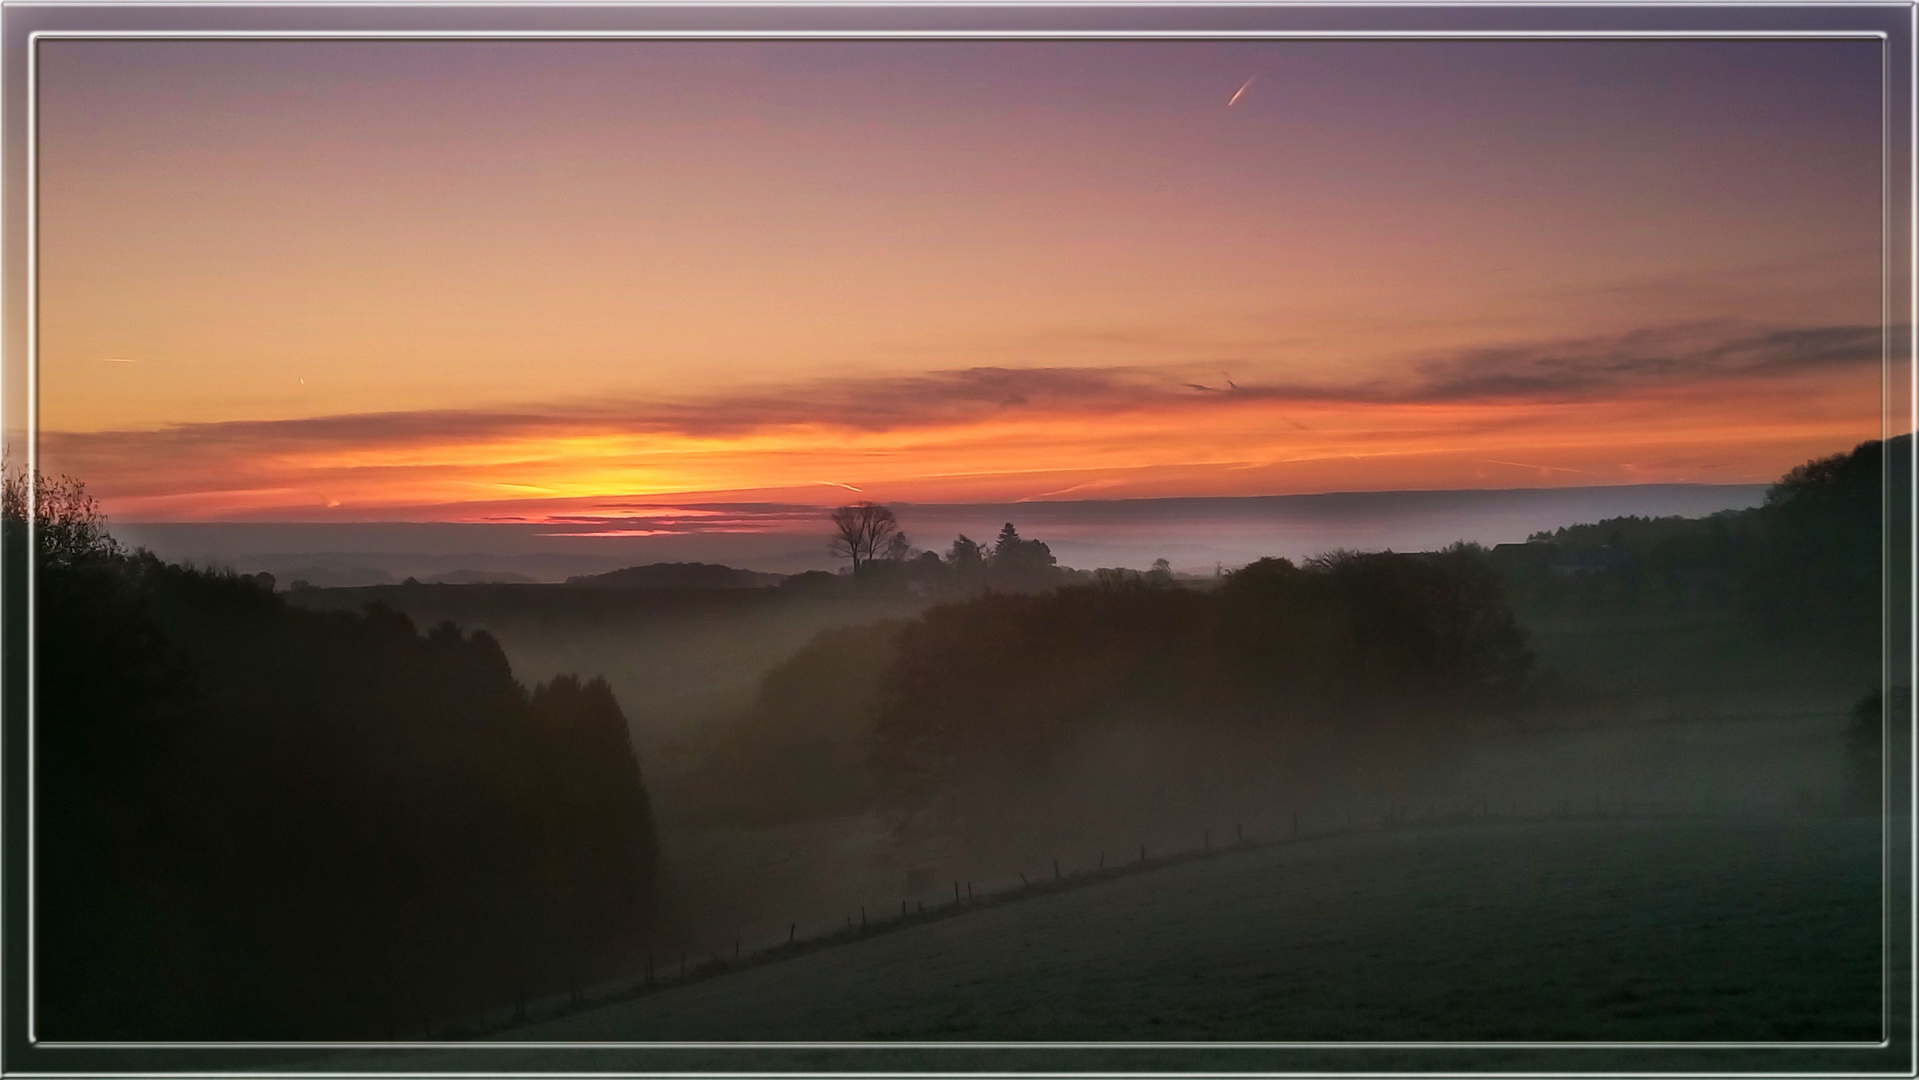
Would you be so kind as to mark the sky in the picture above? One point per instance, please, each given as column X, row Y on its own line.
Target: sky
column 609, row 283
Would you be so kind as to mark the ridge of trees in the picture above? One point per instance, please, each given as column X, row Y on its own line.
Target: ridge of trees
column 1808, row 562
column 868, row 535
column 263, row 822
column 802, row 749
column 1379, row 652
column 1393, row 653
column 920, row 717
column 679, row 575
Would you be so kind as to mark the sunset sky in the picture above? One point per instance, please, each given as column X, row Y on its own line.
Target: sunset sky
column 466, row 281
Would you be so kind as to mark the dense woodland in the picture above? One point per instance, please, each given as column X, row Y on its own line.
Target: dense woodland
column 262, row 822
column 1349, row 654
column 1807, row 563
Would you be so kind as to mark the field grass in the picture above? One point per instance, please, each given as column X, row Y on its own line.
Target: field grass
column 1642, row 930
column 750, row 882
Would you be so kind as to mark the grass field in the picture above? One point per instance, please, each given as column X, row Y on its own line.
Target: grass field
column 1642, row 930
column 750, row 883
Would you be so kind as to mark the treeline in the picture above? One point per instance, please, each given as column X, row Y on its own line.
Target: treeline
column 1377, row 656
column 883, row 558
column 260, row 822
column 680, row 575
column 804, row 748
column 934, row 719
column 1807, row 563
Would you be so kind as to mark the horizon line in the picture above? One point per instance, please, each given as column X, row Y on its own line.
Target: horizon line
column 639, row 511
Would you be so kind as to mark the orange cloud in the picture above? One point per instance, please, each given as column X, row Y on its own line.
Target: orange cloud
column 1705, row 402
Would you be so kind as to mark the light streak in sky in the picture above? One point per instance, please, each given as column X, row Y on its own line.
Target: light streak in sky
column 1524, row 465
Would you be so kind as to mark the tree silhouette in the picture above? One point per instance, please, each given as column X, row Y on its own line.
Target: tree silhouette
column 964, row 556
column 1817, row 563
column 260, row 821
column 897, row 548
column 68, row 525
column 1371, row 656
column 866, row 531
column 1008, row 545
column 1021, row 563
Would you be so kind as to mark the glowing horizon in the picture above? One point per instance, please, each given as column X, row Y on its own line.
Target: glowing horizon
column 465, row 281
column 370, row 466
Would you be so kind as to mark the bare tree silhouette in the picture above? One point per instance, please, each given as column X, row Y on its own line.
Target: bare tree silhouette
column 866, row 531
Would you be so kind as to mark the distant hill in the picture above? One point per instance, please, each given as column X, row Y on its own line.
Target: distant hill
column 480, row 577
column 328, row 577
column 684, row 575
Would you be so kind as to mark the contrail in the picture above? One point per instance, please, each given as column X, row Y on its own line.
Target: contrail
column 1230, row 102
column 1109, row 482
column 116, row 360
column 1525, row 465
column 835, row 483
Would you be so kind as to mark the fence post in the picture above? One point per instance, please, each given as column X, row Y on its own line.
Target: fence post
column 791, row 930
column 1206, row 840
column 1295, row 823
column 1055, row 869
column 1142, row 853
column 956, row 892
column 1239, row 834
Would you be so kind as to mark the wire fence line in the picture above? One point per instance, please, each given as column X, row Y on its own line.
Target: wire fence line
column 675, row 967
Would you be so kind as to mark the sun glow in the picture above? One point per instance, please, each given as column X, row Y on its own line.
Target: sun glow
column 1054, row 271
column 1218, row 445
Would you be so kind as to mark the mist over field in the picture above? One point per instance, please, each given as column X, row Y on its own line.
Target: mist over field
column 775, row 764
column 1194, row 534
column 1125, row 546
column 691, row 770
column 1626, row 671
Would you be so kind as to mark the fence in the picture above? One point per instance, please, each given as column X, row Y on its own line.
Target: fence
column 679, row 967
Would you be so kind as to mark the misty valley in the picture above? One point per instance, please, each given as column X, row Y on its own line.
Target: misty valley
column 1623, row 781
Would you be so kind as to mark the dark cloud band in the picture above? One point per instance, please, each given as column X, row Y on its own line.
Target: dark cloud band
column 1543, row 371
